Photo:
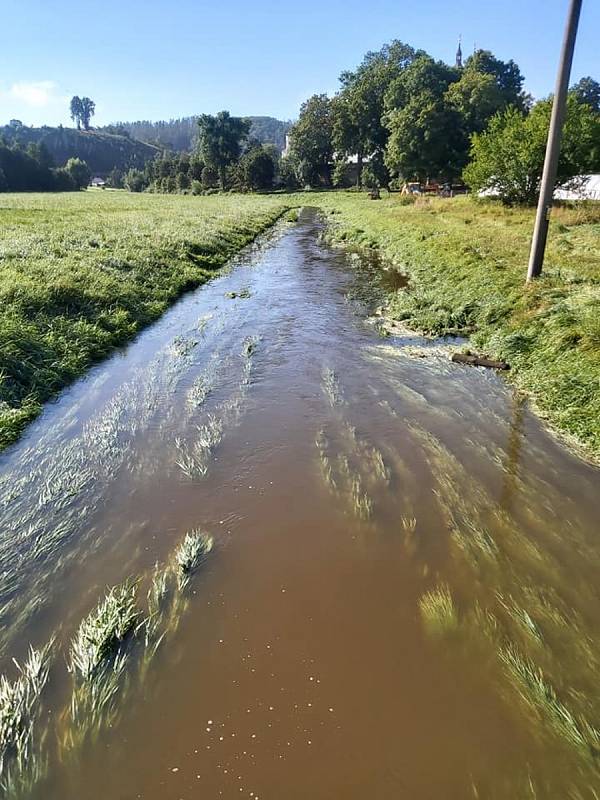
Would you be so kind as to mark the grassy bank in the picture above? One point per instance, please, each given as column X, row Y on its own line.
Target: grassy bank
column 82, row 273
column 467, row 263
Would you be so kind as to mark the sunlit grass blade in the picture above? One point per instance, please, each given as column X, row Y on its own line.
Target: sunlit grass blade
column 102, row 631
column 191, row 553
column 438, row 611
column 20, row 704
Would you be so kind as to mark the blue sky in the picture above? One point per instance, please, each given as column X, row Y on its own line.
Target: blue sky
column 153, row 59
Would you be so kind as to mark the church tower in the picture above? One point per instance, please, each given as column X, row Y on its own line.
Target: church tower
column 459, row 61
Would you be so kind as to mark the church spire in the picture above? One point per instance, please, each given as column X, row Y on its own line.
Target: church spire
column 459, row 60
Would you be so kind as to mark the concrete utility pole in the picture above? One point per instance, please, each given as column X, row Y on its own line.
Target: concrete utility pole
column 559, row 107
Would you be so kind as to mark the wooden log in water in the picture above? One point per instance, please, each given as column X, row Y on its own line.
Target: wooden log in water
column 478, row 361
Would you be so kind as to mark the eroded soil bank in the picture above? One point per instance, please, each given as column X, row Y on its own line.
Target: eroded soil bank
column 402, row 598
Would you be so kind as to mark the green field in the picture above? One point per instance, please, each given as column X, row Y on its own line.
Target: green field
column 81, row 273
column 467, row 262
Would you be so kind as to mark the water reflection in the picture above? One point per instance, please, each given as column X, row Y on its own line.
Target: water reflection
column 513, row 452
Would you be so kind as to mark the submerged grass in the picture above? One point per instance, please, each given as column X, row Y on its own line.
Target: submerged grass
column 194, row 457
column 438, row 611
column 118, row 637
column 331, row 387
column 156, row 597
column 542, row 697
column 191, row 553
column 82, row 273
column 103, row 630
column 20, row 705
column 466, row 262
column 98, row 661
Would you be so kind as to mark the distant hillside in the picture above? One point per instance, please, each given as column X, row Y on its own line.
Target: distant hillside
column 269, row 130
column 180, row 134
column 101, row 150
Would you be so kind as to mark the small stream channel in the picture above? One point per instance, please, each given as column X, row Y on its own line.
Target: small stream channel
column 343, row 479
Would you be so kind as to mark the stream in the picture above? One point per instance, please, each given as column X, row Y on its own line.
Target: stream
column 346, row 478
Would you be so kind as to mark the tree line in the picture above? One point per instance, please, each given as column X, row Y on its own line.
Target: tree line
column 31, row 168
column 402, row 116
column 226, row 157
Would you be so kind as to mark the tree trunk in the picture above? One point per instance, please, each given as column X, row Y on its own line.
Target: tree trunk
column 222, row 176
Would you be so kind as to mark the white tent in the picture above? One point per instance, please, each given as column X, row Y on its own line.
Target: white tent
column 583, row 187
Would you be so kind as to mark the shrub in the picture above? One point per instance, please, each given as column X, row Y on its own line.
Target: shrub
column 79, row 172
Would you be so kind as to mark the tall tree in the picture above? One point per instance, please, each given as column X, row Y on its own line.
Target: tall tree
column 311, row 140
column 220, row 141
column 587, row 91
column 427, row 139
column 257, row 168
column 477, row 97
column 88, row 109
column 76, row 111
column 359, row 107
column 506, row 74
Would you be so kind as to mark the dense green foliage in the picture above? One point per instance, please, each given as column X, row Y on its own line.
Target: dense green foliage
column 258, row 167
column 466, row 261
column 79, row 172
column 427, row 135
column 24, row 169
column 508, row 157
column 31, row 169
column 82, row 273
column 102, row 152
column 587, row 90
column 182, row 134
column 359, row 127
column 220, row 141
column 312, row 141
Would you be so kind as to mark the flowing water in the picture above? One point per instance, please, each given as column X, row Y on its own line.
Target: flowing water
column 402, row 600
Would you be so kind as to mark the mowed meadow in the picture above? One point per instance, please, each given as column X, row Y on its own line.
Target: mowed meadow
column 81, row 273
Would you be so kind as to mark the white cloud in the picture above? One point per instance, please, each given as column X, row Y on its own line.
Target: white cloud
column 36, row 94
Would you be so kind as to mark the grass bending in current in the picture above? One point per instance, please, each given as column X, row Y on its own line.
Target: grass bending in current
column 110, row 652
column 81, row 274
column 20, row 707
column 101, row 651
column 191, row 553
column 103, row 630
column 466, row 261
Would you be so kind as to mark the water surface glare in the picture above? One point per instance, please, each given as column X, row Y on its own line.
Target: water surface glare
column 351, row 488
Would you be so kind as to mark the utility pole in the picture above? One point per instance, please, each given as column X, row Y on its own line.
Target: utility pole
column 559, row 107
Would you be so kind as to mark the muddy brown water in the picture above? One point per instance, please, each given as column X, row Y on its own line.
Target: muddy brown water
column 342, row 480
